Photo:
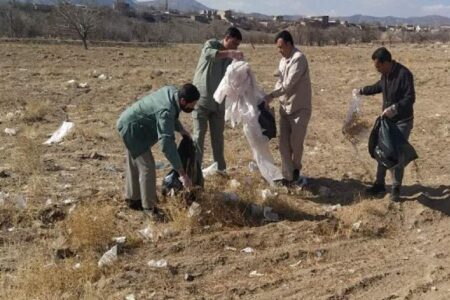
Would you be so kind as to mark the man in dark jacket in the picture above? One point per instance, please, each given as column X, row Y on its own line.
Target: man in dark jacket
column 397, row 86
column 152, row 119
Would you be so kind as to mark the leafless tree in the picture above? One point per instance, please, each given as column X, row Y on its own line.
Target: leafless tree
column 79, row 19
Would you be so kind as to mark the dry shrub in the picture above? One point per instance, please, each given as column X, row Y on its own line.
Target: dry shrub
column 40, row 278
column 27, row 158
column 91, row 227
column 176, row 211
column 36, row 110
column 37, row 185
column 374, row 217
column 354, row 128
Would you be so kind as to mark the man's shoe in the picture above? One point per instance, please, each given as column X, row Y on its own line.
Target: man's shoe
column 281, row 182
column 134, row 204
column 395, row 194
column 376, row 190
column 301, row 182
column 295, row 175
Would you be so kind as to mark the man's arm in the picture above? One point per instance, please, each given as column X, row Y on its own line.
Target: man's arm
column 166, row 135
column 371, row 89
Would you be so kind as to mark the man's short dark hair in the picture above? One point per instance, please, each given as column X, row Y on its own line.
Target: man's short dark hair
column 189, row 93
column 382, row 55
column 234, row 33
column 285, row 36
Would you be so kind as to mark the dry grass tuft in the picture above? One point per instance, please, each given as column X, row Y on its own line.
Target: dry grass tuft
column 176, row 211
column 36, row 110
column 27, row 158
column 91, row 227
column 40, row 278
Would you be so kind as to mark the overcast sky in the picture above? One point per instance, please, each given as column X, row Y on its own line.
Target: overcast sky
column 379, row 8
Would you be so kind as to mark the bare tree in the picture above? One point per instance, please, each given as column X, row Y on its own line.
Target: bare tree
column 79, row 19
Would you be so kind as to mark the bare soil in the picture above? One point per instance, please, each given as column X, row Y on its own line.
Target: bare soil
column 61, row 204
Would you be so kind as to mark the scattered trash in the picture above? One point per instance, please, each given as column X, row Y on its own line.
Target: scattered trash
column 331, row 208
column 68, row 201
column 48, row 202
column 76, row 266
column 159, row 264
column 211, row 170
column 194, row 210
column 148, row 233
column 11, row 131
column 109, row 257
column 248, row 250
column 228, row 248
column 255, row 274
column 325, row 192
column 130, row 297
column 234, row 184
column 11, row 229
column 320, row 253
column 188, row 277
column 10, row 116
column 21, row 202
column 83, row 85
column 67, row 186
column 59, row 134
column 120, row 239
column 296, row 264
column 72, row 83
column 102, row 77
column 252, row 166
column 356, row 226
column 269, row 215
column 419, row 230
column 268, row 194
column 230, row 196
column 3, row 197
column 4, row 174
column 354, row 126
column 433, row 288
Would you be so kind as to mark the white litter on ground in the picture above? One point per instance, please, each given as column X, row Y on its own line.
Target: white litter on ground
column 59, row 134
column 108, row 258
column 158, row 264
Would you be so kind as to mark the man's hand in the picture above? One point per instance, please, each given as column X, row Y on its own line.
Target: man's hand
column 186, row 181
column 268, row 98
column 184, row 132
column 389, row 112
column 235, row 54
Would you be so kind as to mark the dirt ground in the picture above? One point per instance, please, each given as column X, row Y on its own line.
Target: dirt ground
column 61, row 205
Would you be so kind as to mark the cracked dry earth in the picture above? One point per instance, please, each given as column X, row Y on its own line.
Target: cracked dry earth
column 61, row 204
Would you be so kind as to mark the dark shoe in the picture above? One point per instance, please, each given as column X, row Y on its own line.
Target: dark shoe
column 395, row 194
column 295, row 175
column 134, row 204
column 281, row 182
column 376, row 190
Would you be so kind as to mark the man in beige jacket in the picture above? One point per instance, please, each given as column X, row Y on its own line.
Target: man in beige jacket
column 294, row 90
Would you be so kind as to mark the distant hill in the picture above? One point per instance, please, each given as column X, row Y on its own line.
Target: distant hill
column 180, row 5
column 432, row 20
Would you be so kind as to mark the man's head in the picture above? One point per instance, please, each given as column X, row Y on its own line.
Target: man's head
column 188, row 96
column 285, row 43
column 382, row 60
column 233, row 38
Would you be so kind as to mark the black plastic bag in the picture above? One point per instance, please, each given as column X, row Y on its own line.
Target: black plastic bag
column 188, row 152
column 267, row 121
column 388, row 145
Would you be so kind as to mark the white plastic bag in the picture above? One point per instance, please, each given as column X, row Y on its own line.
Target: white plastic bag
column 243, row 95
column 59, row 134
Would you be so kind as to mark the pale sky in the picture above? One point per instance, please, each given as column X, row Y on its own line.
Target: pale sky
column 378, row 8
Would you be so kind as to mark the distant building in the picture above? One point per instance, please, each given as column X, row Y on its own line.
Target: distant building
column 278, row 18
column 225, row 14
column 322, row 19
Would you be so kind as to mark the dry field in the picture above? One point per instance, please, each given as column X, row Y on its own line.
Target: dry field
column 61, row 205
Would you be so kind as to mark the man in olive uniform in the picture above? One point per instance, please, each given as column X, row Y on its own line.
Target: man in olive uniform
column 214, row 59
column 151, row 119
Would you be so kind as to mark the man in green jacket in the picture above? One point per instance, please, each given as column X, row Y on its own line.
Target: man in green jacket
column 151, row 119
column 213, row 62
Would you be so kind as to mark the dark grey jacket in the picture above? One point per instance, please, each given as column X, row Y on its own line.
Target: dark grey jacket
column 397, row 88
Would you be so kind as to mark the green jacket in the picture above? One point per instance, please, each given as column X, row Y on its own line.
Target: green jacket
column 208, row 74
column 151, row 119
